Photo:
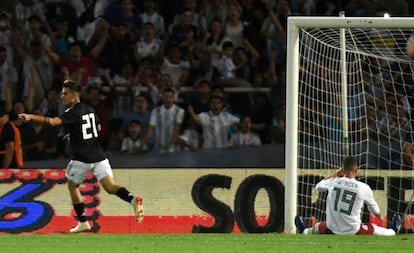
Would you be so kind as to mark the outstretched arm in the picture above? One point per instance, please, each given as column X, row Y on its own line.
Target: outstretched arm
column 56, row 121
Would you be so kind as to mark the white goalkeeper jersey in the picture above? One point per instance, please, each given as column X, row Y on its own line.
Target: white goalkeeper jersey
column 344, row 203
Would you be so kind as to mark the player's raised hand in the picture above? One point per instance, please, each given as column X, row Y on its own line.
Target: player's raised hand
column 340, row 172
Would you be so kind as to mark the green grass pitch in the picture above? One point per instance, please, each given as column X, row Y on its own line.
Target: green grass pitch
column 200, row 243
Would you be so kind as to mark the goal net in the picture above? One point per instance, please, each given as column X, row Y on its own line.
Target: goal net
column 350, row 91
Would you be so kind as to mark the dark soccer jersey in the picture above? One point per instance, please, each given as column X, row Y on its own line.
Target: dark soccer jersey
column 80, row 121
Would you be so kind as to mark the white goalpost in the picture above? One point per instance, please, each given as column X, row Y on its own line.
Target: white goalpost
column 350, row 91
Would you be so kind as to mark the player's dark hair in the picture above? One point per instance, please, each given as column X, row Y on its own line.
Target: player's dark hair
column 349, row 163
column 72, row 85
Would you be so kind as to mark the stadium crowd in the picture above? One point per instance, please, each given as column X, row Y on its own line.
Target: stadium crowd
column 157, row 72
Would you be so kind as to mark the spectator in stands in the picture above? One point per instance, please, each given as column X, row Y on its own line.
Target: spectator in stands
column 5, row 35
column 123, row 11
column 8, row 80
column 58, row 11
column 245, row 136
column 151, row 15
column 102, row 104
column 199, row 20
column 131, row 17
column 141, row 113
column 86, row 13
column 18, row 107
column 200, row 100
column 38, row 140
column 395, row 132
column 215, row 124
column 213, row 41
column 37, row 74
column 246, row 59
column 274, row 30
column 261, row 113
column 185, row 35
column 235, row 29
column 119, row 49
column 61, row 38
column 11, row 154
column 50, row 105
column 27, row 8
column 277, row 131
column 35, row 31
column 146, row 79
column 176, row 67
column 228, row 68
column 203, row 69
column 190, row 138
column 166, row 121
column 216, row 9
column 133, row 144
column 122, row 82
column 148, row 45
column 79, row 66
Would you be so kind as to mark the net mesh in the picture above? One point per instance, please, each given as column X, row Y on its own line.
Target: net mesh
column 380, row 96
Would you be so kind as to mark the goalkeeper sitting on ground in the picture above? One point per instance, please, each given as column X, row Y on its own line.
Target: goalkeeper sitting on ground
column 345, row 200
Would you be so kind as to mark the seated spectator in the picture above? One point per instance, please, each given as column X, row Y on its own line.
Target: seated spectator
column 166, row 121
column 245, row 136
column 215, row 124
column 133, row 144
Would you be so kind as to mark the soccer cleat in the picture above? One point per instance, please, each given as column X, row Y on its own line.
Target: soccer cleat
column 81, row 227
column 300, row 224
column 396, row 222
column 138, row 209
